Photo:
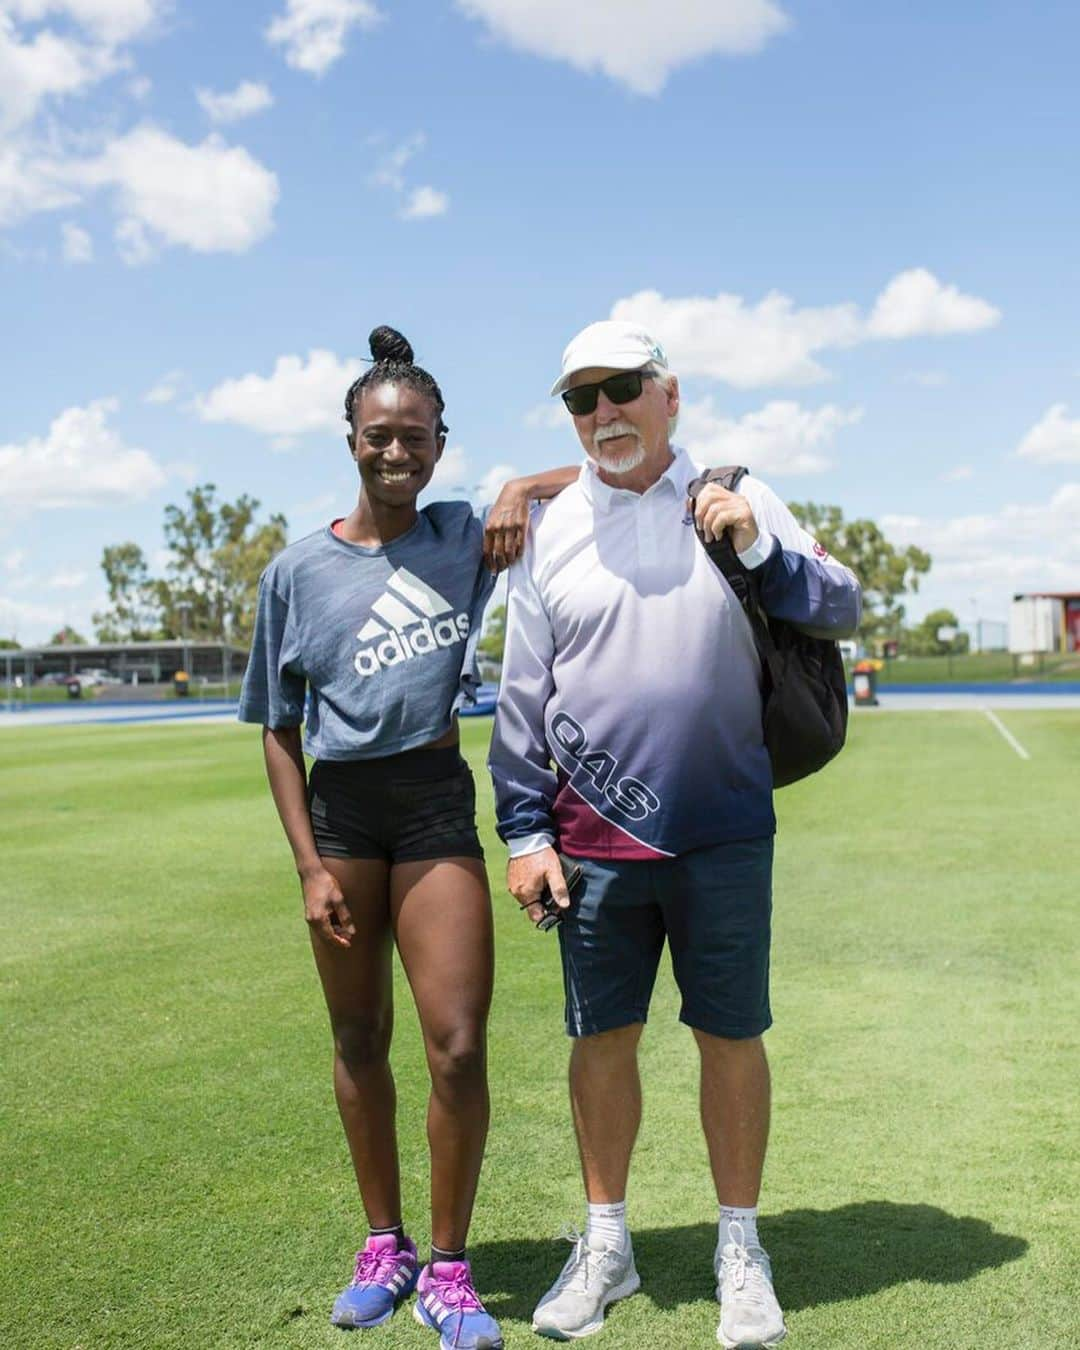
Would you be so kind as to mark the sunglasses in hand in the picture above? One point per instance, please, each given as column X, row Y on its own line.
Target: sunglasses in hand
column 621, row 388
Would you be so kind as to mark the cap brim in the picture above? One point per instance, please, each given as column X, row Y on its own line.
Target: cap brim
column 626, row 363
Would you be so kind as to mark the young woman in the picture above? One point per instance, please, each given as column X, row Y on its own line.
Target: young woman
column 375, row 619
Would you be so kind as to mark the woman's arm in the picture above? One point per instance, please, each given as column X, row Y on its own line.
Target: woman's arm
column 508, row 519
column 324, row 904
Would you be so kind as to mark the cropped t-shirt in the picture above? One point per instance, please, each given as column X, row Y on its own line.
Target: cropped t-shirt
column 380, row 642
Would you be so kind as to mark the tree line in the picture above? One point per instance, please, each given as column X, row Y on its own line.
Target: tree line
column 207, row 590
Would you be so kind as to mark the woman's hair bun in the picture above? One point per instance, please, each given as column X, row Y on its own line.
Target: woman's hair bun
column 387, row 344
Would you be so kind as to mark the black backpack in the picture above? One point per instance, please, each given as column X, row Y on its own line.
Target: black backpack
column 805, row 704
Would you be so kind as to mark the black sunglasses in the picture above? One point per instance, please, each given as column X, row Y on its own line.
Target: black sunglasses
column 621, row 388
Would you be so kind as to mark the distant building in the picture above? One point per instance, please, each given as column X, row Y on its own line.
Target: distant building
column 1045, row 621
column 134, row 663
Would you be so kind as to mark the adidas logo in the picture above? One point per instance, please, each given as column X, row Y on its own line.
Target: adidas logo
column 411, row 624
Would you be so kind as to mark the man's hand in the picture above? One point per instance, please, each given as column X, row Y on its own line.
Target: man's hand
column 717, row 510
column 507, row 523
column 527, row 876
column 325, row 908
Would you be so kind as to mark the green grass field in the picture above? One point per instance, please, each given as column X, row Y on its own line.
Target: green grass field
column 172, row 1169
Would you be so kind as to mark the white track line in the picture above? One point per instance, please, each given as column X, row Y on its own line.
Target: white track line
column 1006, row 733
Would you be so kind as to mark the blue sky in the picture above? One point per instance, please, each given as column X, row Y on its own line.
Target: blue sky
column 854, row 228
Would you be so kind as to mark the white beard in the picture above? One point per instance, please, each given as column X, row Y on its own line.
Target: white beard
column 616, row 464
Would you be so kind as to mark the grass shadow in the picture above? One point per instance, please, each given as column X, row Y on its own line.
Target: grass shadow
column 819, row 1256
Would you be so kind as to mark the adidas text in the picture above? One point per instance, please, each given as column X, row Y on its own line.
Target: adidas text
column 421, row 638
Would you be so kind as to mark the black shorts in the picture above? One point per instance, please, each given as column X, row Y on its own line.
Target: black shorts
column 418, row 805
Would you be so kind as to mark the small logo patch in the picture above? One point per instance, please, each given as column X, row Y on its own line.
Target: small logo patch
column 820, row 551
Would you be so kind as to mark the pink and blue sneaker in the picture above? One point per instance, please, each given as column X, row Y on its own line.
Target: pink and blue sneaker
column 385, row 1274
column 447, row 1301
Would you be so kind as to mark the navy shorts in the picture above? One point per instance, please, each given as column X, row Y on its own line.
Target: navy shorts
column 411, row 807
column 714, row 907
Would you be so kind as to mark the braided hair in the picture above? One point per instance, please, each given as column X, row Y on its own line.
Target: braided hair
column 392, row 363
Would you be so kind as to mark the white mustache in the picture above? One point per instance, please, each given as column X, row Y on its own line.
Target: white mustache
column 613, row 429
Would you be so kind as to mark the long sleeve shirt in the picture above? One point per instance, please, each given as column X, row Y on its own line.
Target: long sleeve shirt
column 629, row 713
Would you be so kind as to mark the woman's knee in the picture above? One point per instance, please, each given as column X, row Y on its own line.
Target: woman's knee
column 458, row 1060
column 363, row 1042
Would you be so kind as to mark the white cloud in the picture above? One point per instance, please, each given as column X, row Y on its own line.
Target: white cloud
column 76, row 244
column 67, row 581
column 774, row 342
column 133, row 243
column 1054, row 439
column 424, row 202
column 50, row 65
column 550, row 416
column 452, row 471
column 25, row 621
column 313, row 32
column 916, row 304
column 166, row 389
column 28, row 184
column 1020, row 547
column 14, row 560
column 111, row 20
column 297, row 398
column 633, row 43
column 80, row 462
column 960, row 474
column 45, row 66
column 390, row 166
column 744, row 345
column 243, row 101
column 389, row 172
column 140, row 88
column 210, row 197
column 493, row 482
column 781, row 438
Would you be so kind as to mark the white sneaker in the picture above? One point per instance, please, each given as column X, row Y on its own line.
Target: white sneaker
column 593, row 1277
column 750, row 1317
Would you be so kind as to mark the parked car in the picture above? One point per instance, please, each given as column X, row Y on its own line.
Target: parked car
column 89, row 678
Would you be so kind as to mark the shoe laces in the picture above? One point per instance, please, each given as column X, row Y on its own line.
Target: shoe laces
column 746, row 1270
column 457, row 1291
column 582, row 1263
column 376, row 1267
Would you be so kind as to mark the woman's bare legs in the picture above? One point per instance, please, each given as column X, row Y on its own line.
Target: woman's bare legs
column 357, row 983
column 442, row 922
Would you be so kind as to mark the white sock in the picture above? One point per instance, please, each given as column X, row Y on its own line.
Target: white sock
column 730, row 1214
column 608, row 1224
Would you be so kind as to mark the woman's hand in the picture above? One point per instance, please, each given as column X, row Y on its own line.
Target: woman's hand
column 507, row 523
column 325, row 908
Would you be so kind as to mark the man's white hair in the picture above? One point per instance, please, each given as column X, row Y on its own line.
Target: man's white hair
column 666, row 379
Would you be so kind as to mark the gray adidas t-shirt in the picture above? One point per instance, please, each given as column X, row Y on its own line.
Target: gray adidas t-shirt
column 383, row 638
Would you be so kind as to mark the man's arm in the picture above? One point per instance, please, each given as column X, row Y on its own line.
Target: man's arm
column 797, row 579
column 518, row 760
column 508, row 520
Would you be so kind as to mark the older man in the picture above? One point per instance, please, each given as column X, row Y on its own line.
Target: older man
column 629, row 737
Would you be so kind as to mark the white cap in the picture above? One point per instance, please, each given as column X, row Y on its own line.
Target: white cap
column 611, row 344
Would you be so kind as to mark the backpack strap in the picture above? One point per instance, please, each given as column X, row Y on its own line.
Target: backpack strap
column 740, row 579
